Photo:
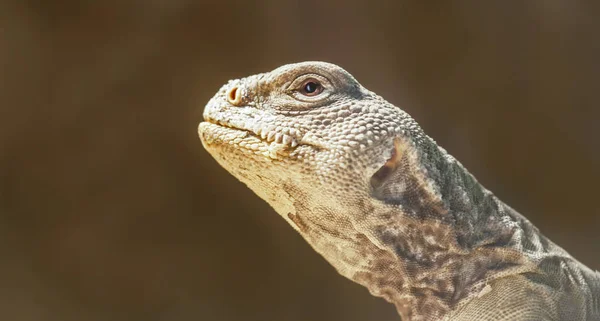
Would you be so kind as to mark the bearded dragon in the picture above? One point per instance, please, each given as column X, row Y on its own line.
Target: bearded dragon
column 385, row 205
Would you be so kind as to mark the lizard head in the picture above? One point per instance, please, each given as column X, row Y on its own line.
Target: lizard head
column 356, row 176
column 308, row 127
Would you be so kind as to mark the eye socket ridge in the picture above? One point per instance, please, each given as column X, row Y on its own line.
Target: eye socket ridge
column 310, row 87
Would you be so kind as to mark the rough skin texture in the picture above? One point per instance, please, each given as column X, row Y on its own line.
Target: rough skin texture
column 385, row 205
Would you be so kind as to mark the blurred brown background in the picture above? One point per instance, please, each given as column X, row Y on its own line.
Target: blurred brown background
column 111, row 210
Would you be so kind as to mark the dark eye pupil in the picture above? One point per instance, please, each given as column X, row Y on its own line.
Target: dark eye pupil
column 311, row 87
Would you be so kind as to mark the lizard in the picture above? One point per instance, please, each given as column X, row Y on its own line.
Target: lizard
column 385, row 205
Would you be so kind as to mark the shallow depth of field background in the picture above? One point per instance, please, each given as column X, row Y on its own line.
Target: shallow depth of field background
column 111, row 210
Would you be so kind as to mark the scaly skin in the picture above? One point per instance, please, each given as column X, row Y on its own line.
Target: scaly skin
column 385, row 205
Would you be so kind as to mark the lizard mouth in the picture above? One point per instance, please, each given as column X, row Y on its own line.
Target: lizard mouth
column 287, row 137
column 265, row 141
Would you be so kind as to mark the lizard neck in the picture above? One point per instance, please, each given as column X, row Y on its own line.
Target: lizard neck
column 431, row 254
column 457, row 239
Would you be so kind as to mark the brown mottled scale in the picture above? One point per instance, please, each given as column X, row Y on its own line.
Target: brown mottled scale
column 385, row 205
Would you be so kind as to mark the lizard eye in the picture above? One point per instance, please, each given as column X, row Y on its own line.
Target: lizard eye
column 311, row 87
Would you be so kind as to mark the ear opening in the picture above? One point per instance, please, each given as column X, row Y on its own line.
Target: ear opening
column 402, row 181
column 383, row 174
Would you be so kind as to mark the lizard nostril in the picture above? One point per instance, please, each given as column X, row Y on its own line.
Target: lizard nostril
column 234, row 96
